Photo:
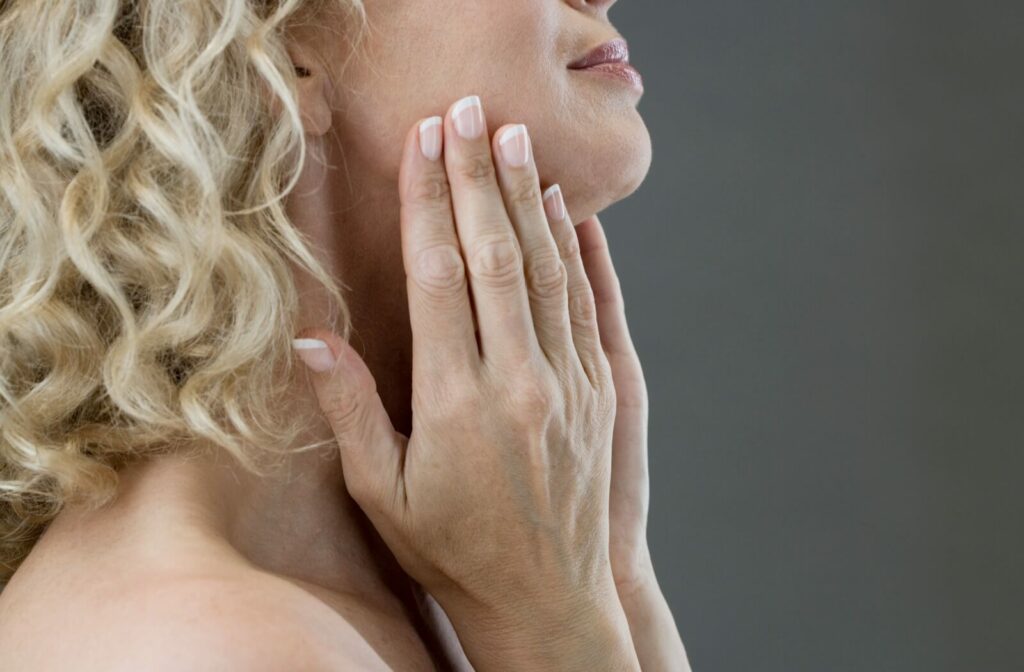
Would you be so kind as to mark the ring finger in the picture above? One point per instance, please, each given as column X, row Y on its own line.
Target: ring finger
column 546, row 278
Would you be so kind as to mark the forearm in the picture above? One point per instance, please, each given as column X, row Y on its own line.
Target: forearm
column 656, row 638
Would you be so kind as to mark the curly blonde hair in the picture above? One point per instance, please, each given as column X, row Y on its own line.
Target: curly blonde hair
column 147, row 296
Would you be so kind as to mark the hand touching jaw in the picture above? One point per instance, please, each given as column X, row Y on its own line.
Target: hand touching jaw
column 522, row 58
column 520, row 420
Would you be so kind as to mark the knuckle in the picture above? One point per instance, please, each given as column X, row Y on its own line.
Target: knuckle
column 496, row 259
column 634, row 399
column 439, row 269
column 547, row 277
column 612, row 297
column 568, row 244
column 431, row 192
column 525, row 194
column 533, row 399
column 602, row 398
column 346, row 413
column 582, row 310
column 477, row 171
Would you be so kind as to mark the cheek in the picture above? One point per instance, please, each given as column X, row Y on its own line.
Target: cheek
column 505, row 52
column 420, row 56
column 416, row 62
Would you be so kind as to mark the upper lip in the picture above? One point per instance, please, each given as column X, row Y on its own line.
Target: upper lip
column 613, row 51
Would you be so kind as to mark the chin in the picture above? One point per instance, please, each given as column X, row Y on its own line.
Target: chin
column 608, row 172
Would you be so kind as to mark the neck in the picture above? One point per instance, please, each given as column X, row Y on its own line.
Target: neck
column 300, row 521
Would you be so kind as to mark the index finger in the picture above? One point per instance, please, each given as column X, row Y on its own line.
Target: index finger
column 439, row 307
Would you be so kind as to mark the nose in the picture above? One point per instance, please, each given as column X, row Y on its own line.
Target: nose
column 592, row 6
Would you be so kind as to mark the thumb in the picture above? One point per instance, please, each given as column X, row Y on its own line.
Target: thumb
column 371, row 450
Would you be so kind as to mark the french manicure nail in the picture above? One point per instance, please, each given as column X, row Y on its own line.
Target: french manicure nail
column 515, row 145
column 314, row 353
column 554, row 203
column 430, row 138
column 468, row 115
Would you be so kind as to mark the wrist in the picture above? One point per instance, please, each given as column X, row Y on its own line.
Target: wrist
column 574, row 630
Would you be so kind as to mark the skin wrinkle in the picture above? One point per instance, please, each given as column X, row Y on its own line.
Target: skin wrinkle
column 415, row 58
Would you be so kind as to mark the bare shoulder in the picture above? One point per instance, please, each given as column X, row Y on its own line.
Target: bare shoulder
column 239, row 622
column 221, row 619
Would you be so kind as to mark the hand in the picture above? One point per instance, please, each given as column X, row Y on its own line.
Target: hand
column 498, row 501
column 655, row 635
column 630, row 489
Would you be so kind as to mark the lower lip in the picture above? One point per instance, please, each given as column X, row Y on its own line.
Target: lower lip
column 623, row 72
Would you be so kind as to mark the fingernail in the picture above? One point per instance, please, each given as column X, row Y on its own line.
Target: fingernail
column 468, row 115
column 314, row 353
column 554, row 203
column 515, row 145
column 430, row 138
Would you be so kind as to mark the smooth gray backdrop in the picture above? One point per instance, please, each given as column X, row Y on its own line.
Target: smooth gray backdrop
column 824, row 274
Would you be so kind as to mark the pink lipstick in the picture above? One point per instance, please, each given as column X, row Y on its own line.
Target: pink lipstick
column 610, row 59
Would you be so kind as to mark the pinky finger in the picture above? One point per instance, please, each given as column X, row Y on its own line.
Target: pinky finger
column 582, row 307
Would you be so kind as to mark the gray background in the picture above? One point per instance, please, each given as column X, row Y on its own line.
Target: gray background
column 824, row 273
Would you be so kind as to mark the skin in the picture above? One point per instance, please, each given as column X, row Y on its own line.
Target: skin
column 521, row 423
column 199, row 565
column 595, row 145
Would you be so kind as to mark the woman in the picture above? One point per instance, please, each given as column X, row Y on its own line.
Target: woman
column 185, row 187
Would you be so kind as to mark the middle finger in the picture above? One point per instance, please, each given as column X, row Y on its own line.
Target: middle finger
column 493, row 258
column 546, row 277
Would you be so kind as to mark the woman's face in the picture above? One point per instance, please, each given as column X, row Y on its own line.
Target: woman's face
column 419, row 56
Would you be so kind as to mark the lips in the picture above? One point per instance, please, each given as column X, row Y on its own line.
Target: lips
column 614, row 51
column 611, row 60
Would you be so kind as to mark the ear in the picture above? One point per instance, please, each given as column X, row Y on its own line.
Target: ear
column 314, row 88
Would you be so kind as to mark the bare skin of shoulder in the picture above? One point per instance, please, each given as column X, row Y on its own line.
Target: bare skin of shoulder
column 140, row 594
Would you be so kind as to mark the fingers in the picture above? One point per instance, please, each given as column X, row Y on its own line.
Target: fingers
column 477, row 242
column 493, row 257
column 611, row 312
column 582, row 308
column 546, row 279
column 439, row 306
column 372, row 452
